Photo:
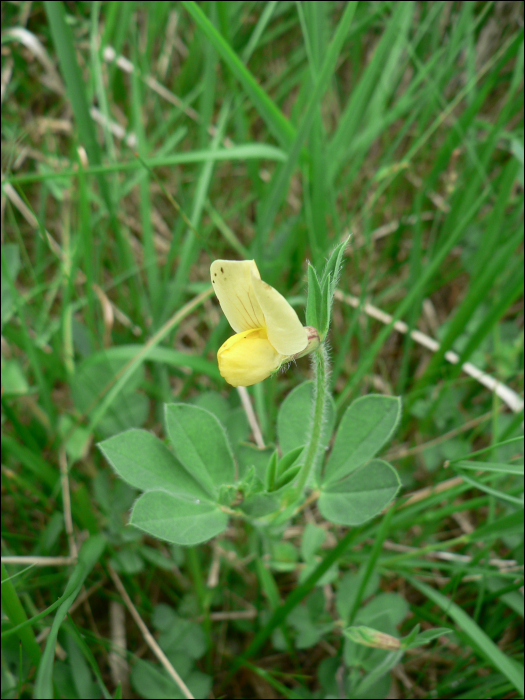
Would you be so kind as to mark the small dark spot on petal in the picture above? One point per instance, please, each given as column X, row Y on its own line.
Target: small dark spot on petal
column 222, row 270
column 213, row 281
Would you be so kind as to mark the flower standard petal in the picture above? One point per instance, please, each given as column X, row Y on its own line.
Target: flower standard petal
column 285, row 331
column 247, row 358
column 232, row 282
column 268, row 331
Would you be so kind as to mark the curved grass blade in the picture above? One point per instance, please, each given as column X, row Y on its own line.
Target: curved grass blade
column 479, row 639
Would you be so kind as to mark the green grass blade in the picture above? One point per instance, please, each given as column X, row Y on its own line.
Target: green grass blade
column 132, row 366
column 500, row 495
column 88, row 556
column 490, row 467
column 388, row 50
column 241, row 152
column 12, row 607
column 281, row 180
column 478, row 638
column 428, row 273
column 190, row 246
column 275, row 120
column 75, row 85
column 479, row 288
column 259, row 29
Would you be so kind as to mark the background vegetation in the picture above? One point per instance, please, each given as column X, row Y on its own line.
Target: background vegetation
column 276, row 129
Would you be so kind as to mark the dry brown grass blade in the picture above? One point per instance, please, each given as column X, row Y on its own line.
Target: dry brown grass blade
column 505, row 393
column 148, row 637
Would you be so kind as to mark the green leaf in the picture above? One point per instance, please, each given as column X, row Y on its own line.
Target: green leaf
column 283, row 556
column 281, row 179
column 128, row 561
column 271, row 472
column 14, row 380
column 144, row 461
column 348, row 590
column 326, row 306
column 385, row 612
column 497, row 493
column 16, row 617
column 314, row 301
column 309, row 627
column 227, row 494
column 200, row 443
column 177, row 519
column 152, row 681
column 236, row 425
column 260, row 504
column 89, row 555
column 293, row 428
column 313, row 538
column 213, row 402
column 333, row 266
column 361, row 496
column 288, row 460
column 77, row 439
column 179, row 635
column 76, row 89
column 156, row 557
column 287, row 476
column 368, row 423
column 249, row 456
column 330, row 576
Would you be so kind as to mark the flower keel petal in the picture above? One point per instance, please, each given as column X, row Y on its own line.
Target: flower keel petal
column 247, row 358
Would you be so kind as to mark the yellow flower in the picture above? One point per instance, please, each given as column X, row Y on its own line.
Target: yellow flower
column 268, row 331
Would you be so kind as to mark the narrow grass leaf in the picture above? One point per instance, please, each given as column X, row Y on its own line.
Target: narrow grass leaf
column 75, row 84
column 490, row 467
column 88, row 556
column 500, row 495
column 16, row 614
column 428, row 273
column 353, row 116
column 281, row 179
column 478, row 637
column 274, row 119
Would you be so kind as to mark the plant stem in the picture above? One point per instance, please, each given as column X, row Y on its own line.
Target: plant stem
column 320, row 399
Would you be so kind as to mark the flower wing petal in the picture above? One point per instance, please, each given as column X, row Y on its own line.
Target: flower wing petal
column 285, row 331
column 233, row 284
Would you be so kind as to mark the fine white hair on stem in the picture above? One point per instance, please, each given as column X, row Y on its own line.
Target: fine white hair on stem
column 317, row 366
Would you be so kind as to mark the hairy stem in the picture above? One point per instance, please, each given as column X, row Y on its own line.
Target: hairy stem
column 320, row 399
